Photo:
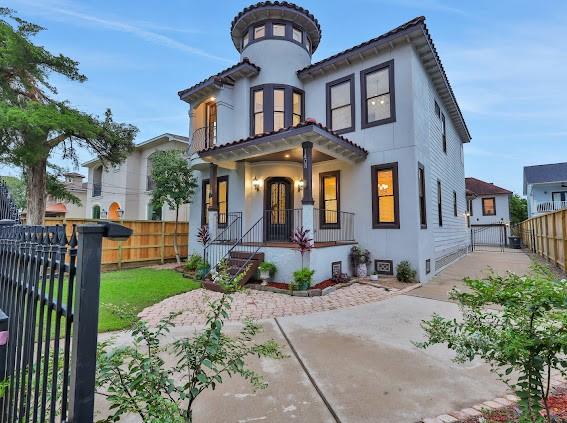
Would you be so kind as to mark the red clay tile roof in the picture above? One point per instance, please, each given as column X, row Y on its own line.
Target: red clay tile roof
column 478, row 187
column 289, row 128
column 56, row 208
column 223, row 73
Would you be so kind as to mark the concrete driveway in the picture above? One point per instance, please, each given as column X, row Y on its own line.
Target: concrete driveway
column 359, row 364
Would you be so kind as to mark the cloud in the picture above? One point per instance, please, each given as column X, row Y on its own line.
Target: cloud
column 62, row 11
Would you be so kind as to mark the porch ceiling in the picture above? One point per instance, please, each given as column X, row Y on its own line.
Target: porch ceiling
column 272, row 145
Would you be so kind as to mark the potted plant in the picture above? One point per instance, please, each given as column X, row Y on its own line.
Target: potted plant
column 374, row 276
column 360, row 259
column 267, row 270
column 303, row 278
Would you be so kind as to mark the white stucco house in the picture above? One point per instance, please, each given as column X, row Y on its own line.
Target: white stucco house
column 364, row 147
column 487, row 204
column 545, row 186
column 124, row 191
column 73, row 182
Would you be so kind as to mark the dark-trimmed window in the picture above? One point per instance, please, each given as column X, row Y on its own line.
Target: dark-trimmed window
column 470, row 206
column 297, row 35
column 96, row 212
column 455, row 208
column 340, row 104
column 275, row 106
column 278, row 30
column 154, row 213
column 329, row 199
column 259, row 32
column 378, row 97
column 207, row 200
column 489, row 206
column 439, row 203
column 422, row 198
column 444, row 132
column 385, row 201
column 258, row 111
column 245, row 39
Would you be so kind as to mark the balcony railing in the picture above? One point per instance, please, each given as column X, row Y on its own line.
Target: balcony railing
column 97, row 190
column 333, row 226
column 550, row 206
column 203, row 138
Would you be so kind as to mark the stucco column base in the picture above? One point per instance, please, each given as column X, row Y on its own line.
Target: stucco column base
column 308, row 221
column 213, row 217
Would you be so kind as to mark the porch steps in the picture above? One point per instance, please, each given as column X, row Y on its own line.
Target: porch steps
column 236, row 260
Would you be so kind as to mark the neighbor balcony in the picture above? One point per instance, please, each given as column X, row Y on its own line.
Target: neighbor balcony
column 550, row 206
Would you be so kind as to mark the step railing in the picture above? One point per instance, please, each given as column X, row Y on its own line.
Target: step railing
column 333, row 226
column 218, row 247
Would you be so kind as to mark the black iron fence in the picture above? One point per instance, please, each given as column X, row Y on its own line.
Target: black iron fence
column 493, row 236
column 8, row 209
column 49, row 291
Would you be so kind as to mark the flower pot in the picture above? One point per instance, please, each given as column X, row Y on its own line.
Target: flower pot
column 373, row 277
column 264, row 274
column 361, row 270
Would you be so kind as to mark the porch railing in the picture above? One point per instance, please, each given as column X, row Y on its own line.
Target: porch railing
column 333, row 226
column 203, row 138
column 550, row 206
column 279, row 224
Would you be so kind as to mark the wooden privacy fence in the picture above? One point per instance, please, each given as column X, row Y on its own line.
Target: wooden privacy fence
column 151, row 241
column 546, row 235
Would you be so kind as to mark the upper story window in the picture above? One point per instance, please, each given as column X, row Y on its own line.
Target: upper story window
column 308, row 44
column 489, row 206
column 444, row 129
column 385, row 196
column 378, row 97
column 259, row 32
column 258, row 111
column 275, row 107
column 278, row 30
column 297, row 35
column 340, row 104
column 439, row 203
column 437, row 109
column 422, row 199
column 297, row 107
column 455, row 206
column 245, row 39
column 470, row 206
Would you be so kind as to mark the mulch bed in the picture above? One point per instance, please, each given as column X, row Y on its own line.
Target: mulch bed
column 557, row 407
column 321, row 285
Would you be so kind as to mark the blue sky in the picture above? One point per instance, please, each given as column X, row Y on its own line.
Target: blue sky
column 506, row 61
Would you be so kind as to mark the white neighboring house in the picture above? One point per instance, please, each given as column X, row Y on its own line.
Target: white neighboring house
column 364, row 147
column 124, row 191
column 487, row 203
column 545, row 187
column 75, row 185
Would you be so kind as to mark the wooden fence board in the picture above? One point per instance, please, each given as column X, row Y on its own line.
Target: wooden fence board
column 151, row 241
column 546, row 234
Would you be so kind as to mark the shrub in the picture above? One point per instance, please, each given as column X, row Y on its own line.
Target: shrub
column 268, row 267
column 136, row 379
column 525, row 336
column 303, row 278
column 202, row 270
column 404, row 272
column 193, row 262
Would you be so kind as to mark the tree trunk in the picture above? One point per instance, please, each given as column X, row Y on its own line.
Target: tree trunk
column 36, row 191
column 175, row 246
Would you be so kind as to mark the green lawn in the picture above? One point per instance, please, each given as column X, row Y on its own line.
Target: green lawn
column 134, row 290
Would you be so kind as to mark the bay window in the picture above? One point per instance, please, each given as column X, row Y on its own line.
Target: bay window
column 274, row 107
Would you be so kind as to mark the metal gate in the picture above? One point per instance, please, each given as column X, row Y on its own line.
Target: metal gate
column 49, row 300
column 488, row 237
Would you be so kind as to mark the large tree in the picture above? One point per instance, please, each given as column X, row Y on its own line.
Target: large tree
column 34, row 125
column 174, row 185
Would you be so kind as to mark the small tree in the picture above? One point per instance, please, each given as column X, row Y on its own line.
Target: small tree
column 175, row 185
column 527, row 335
column 135, row 379
column 303, row 241
column 518, row 209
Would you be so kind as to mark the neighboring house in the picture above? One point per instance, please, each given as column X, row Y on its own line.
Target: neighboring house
column 487, row 203
column 364, row 147
column 124, row 191
column 545, row 186
column 75, row 185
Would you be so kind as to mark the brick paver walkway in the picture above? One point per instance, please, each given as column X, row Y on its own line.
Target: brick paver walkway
column 262, row 304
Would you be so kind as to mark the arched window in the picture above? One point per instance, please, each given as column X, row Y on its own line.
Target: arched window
column 150, row 184
column 97, row 181
column 96, row 212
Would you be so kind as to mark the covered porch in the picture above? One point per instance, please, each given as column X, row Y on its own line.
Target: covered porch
column 279, row 186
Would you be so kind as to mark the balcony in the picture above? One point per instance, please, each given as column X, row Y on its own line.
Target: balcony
column 203, row 138
column 550, row 206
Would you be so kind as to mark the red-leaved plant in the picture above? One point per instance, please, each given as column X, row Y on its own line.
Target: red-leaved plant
column 303, row 240
column 204, row 236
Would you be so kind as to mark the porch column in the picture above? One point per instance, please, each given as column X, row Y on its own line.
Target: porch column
column 307, row 201
column 213, row 215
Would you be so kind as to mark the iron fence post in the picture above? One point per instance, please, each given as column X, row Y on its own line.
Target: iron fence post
column 85, row 319
column 3, row 349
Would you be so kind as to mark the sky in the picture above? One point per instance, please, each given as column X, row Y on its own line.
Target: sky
column 506, row 62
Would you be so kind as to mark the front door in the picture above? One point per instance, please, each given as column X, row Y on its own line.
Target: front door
column 279, row 212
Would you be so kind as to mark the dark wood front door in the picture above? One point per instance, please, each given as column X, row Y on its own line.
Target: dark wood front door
column 278, row 213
